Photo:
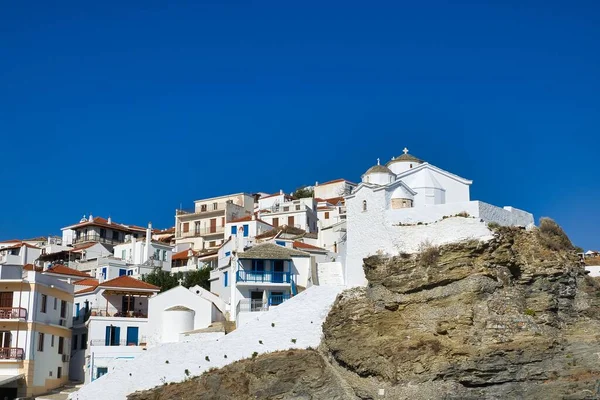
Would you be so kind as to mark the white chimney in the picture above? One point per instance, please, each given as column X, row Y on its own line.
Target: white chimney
column 109, row 220
column 280, row 191
column 91, row 218
column 253, row 217
column 148, row 239
column 317, row 183
column 133, row 249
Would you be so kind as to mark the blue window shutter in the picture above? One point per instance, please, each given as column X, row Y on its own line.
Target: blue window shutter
column 132, row 335
column 234, row 230
column 122, row 271
column 246, row 230
column 117, row 335
column 227, row 254
column 107, row 337
column 280, row 243
column 226, row 278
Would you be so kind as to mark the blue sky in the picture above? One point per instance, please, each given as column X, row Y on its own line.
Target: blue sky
column 130, row 108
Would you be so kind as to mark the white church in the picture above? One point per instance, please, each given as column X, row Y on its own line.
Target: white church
column 407, row 202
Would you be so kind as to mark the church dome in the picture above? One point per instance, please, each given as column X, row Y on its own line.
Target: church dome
column 403, row 163
column 379, row 175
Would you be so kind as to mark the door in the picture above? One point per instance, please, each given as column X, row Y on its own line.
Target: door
column 112, row 337
column 278, row 273
column 128, row 305
column 132, row 335
column 256, row 301
column 213, row 225
column 291, row 220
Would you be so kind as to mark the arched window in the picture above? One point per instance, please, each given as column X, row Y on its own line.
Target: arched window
column 364, row 205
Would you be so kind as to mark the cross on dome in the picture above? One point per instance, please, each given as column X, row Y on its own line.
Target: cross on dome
column 180, row 280
column 405, row 150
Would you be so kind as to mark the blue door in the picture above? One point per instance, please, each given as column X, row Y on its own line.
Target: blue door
column 132, row 335
column 76, row 310
column 113, row 336
column 122, row 271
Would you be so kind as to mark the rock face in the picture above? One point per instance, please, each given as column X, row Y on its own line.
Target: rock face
column 294, row 374
column 512, row 318
column 507, row 319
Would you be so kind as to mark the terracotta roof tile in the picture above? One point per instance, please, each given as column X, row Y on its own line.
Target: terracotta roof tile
column 128, row 282
column 19, row 245
column 87, row 282
column 335, row 200
column 86, row 290
column 183, row 255
column 306, row 246
column 248, row 218
column 31, row 267
column 99, row 221
column 64, row 270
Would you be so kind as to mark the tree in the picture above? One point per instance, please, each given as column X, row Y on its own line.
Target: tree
column 303, row 192
column 165, row 280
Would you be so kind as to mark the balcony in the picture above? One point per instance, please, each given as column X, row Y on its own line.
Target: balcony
column 217, row 230
column 12, row 353
column 264, row 277
column 118, row 313
column 122, row 342
column 13, row 313
column 247, row 305
column 203, row 209
column 94, row 237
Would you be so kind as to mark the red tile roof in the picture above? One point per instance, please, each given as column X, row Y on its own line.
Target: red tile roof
column 306, row 246
column 248, row 218
column 183, row 255
column 86, row 290
column 64, row 270
column 11, row 241
column 31, row 267
column 83, row 246
column 19, row 245
column 285, row 196
column 324, row 208
column 99, row 221
column 335, row 200
column 87, row 282
column 128, row 282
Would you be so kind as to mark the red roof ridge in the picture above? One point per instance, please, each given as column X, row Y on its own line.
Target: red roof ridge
column 303, row 245
column 64, row 270
column 125, row 281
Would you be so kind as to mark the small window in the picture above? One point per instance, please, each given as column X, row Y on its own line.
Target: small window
column 74, row 342
column 364, row 205
column 203, row 208
column 298, row 207
column 55, row 302
column 84, row 340
column 115, row 235
column 234, row 230
column 44, row 302
column 40, row 345
column 63, row 309
column 186, row 227
column 411, row 165
column 59, row 373
column 212, row 244
column 130, row 272
column 227, row 254
column 164, row 258
column 215, row 206
column 246, row 230
column 123, row 254
column 286, row 208
column 50, row 373
column 102, row 233
column 52, row 341
column 326, row 214
column 225, row 278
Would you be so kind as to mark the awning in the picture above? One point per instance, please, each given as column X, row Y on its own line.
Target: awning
column 4, row 379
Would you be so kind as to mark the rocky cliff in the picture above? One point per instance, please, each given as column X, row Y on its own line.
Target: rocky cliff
column 512, row 318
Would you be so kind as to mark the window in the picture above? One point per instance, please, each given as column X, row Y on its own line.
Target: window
column 227, row 254
column 297, row 207
column 122, row 271
column 280, row 243
column 258, row 265
column 186, row 227
column 411, row 165
column 123, row 254
column 5, row 337
column 104, row 273
column 222, row 221
column 275, row 222
column 43, row 305
column 130, row 272
column 225, row 278
column 215, row 206
column 55, row 303
column 197, row 228
column 74, row 344
column 115, row 235
column 364, row 205
column 128, row 304
column 157, row 254
column 246, row 230
column 164, row 258
column 6, row 299
column 286, row 208
column 212, row 244
column 112, row 337
column 326, row 214
column 40, row 345
column 234, row 230
column 84, row 340
column 102, row 233
column 52, row 341
column 101, row 371
column 59, row 372
column 63, row 309
column 203, row 207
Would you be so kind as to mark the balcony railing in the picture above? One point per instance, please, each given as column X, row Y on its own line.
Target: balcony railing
column 13, row 313
column 12, row 353
column 94, row 237
column 118, row 313
column 247, row 305
column 263, row 276
column 121, row 342
column 205, row 209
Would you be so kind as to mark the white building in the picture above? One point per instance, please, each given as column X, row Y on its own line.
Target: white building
column 333, row 189
column 404, row 204
column 204, row 226
column 110, row 324
column 19, row 253
column 35, row 314
column 260, row 277
column 145, row 252
column 175, row 314
column 300, row 213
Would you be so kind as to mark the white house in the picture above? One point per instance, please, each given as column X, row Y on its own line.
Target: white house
column 145, row 252
column 179, row 311
column 110, row 324
column 300, row 213
column 98, row 229
column 333, row 189
column 35, row 314
column 406, row 203
column 19, row 253
column 248, row 227
column 204, row 226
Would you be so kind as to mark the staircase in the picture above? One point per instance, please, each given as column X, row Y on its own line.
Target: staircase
column 61, row 393
column 330, row 274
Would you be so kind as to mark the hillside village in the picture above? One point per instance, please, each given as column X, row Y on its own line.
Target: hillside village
column 78, row 307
